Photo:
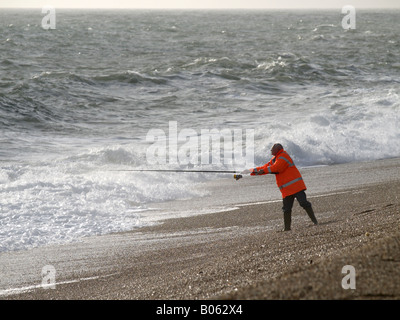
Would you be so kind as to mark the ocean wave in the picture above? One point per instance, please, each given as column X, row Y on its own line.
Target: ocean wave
column 60, row 76
column 6, row 62
column 131, row 77
column 72, row 197
column 300, row 69
column 351, row 130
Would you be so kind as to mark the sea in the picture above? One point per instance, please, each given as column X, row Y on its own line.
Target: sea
column 87, row 96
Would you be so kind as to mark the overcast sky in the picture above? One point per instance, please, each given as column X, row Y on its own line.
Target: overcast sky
column 267, row 4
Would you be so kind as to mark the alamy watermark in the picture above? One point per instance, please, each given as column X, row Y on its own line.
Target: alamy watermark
column 49, row 20
column 48, row 277
column 231, row 147
column 349, row 20
column 349, row 280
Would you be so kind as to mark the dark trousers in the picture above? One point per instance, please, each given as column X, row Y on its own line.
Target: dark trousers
column 289, row 200
column 288, row 205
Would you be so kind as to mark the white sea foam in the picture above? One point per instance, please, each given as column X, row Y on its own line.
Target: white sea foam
column 74, row 197
column 350, row 130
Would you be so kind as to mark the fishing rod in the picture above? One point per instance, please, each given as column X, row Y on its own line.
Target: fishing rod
column 173, row 170
column 236, row 176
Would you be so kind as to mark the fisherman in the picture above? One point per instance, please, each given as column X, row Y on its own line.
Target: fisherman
column 289, row 181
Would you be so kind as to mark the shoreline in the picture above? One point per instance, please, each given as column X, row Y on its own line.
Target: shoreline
column 234, row 254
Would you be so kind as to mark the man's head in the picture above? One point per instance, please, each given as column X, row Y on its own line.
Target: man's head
column 276, row 148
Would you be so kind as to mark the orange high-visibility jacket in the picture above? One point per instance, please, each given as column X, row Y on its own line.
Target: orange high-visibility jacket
column 288, row 177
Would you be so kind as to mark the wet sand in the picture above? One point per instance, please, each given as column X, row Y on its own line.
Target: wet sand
column 237, row 254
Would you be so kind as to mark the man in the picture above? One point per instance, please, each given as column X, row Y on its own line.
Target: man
column 289, row 181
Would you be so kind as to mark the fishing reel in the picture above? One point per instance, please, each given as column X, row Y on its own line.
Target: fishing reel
column 237, row 176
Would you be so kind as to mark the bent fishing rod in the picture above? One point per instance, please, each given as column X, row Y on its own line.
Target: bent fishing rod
column 236, row 176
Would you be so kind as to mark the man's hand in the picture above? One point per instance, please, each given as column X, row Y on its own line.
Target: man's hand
column 247, row 171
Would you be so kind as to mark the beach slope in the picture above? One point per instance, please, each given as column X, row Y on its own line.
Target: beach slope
column 236, row 254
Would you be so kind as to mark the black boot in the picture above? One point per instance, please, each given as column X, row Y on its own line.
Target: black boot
column 287, row 219
column 310, row 213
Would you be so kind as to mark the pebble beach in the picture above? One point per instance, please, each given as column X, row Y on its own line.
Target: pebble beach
column 237, row 254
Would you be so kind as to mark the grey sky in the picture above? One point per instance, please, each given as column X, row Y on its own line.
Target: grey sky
column 267, row 4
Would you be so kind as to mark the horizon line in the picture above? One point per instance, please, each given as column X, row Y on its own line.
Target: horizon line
column 201, row 8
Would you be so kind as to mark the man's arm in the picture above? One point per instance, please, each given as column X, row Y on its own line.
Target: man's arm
column 273, row 168
column 260, row 170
